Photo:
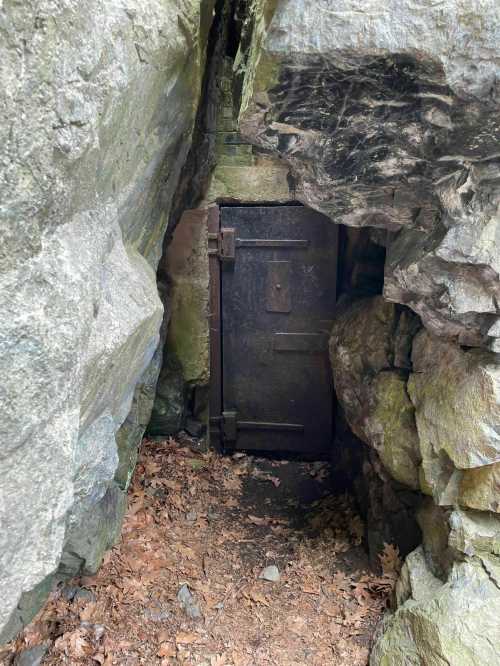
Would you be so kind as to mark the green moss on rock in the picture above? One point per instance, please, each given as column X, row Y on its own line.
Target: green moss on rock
column 394, row 418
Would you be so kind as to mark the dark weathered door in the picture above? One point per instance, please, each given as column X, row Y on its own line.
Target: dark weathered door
column 277, row 300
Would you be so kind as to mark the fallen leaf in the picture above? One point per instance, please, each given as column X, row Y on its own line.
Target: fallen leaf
column 186, row 638
column 389, row 559
column 255, row 520
column 166, row 650
column 256, row 596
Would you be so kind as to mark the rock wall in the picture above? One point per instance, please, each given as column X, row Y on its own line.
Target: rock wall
column 388, row 117
column 430, row 411
column 96, row 117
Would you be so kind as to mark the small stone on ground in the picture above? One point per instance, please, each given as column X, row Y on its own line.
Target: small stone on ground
column 271, row 574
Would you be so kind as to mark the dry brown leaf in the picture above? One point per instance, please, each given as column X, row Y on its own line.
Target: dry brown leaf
column 239, row 659
column 87, row 613
column 166, row 650
column 157, row 550
column 74, row 644
column 256, row 596
column 389, row 559
column 186, row 638
column 255, row 520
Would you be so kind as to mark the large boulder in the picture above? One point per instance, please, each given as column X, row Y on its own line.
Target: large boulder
column 448, row 594
column 388, row 116
column 456, row 395
column 97, row 110
column 365, row 345
column 455, row 622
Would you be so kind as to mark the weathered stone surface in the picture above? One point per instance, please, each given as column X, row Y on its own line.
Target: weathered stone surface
column 388, row 508
column 169, row 409
column 90, row 534
column 186, row 350
column 32, row 656
column 132, row 429
column 480, row 488
column 187, row 267
column 453, row 623
column 371, row 390
column 452, row 533
column 416, row 580
column 434, row 523
column 95, row 120
column 387, row 122
column 263, row 181
column 456, row 394
column 474, row 532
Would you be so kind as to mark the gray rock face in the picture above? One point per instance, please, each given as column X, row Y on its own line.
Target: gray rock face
column 387, row 122
column 388, row 508
column 95, row 120
column 31, row 657
column 455, row 622
column 372, row 390
column 436, row 428
column 446, row 607
column 456, row 394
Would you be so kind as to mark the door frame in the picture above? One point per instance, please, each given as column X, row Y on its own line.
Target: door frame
column 215, row 329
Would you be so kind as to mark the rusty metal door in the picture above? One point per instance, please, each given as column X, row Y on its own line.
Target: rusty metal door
column 274, row 271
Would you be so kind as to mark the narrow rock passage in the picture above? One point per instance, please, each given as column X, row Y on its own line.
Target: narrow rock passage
column 231, row 561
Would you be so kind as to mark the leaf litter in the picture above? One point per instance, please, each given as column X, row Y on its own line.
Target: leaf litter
column 209, row 525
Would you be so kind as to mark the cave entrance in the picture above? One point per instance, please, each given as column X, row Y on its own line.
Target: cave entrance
column 273, row 272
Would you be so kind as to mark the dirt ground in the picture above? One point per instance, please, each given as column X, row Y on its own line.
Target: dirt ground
column 184, row 585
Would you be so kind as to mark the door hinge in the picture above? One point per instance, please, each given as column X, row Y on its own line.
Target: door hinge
column 229, row 426
column 226, row 244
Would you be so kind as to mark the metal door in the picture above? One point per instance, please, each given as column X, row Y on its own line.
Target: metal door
column 273, row 298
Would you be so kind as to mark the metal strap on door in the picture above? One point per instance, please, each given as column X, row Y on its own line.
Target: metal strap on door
column 226, row 244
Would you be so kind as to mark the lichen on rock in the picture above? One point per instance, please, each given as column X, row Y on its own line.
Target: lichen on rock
column 455, row 393
column 96, row 118
column 371, row 389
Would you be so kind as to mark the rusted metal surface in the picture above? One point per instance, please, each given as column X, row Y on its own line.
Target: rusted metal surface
column 215, row 398
column 227, row 244
column 277, row 299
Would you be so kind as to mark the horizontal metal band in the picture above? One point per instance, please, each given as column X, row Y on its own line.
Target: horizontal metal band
column 271, row 242
column 263, row 425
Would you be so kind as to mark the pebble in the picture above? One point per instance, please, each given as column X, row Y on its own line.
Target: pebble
column 188, row 603
column 271, row 574
column 74, row 593
column 212, row 514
